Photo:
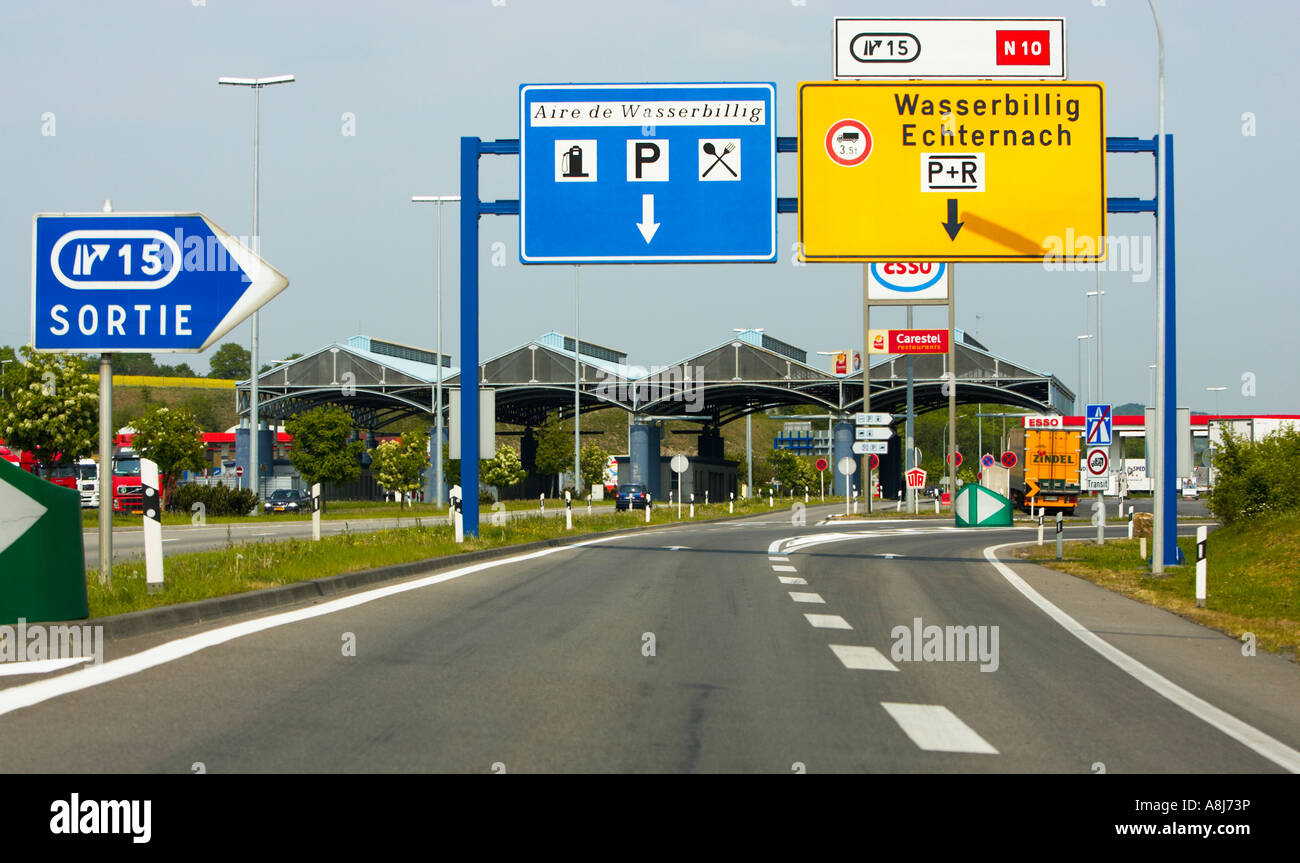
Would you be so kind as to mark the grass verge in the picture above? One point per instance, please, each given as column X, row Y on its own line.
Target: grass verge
column 256, row 566
column 1252, row 578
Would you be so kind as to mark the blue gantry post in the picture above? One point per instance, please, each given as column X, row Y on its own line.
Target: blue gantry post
column 469, row 419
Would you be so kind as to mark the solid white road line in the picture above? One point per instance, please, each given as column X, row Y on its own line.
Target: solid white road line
column 827, row 621
column 935, row 728
column 791, row 579
column 41, row 666
column 1272, row 749
column 17, row 697
column 780, row 567
column 866, row 658
column 807, row 597
column 778, row 559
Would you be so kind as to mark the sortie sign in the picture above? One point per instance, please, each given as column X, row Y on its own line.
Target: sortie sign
column 907, row 341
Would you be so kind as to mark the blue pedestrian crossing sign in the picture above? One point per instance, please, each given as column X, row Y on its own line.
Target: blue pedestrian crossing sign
column 141, row 282
column 1098, row 425
column 647, row 173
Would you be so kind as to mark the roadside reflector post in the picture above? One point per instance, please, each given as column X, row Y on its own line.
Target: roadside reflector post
column 769, row 498
column 1040, row 529
column 315, row 512
column 568, row 510
column 1201, row 533
column 541, row 502
column 648, row 507
column 1130, row 522
column 706, row 497
column 1142, row 547
column 899, row 506
column 692, row 504
column 1060, row 535
column 588, row 503
column 805, row 494
column 458, row 519
column 936, row 506
column 731, row 504
column 1099, row 513
column 153, row 559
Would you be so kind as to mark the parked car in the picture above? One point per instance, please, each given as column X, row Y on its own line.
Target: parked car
column 632, row 495
column 287, row 500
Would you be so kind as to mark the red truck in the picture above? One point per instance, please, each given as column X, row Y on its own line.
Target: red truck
column 128, row 490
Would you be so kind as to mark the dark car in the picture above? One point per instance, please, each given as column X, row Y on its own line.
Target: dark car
column 632, row 495
column 287, row 500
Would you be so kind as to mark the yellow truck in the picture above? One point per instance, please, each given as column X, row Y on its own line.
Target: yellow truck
column 1047, row 474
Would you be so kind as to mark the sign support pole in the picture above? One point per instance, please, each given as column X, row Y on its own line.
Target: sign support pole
column 952, row 383
column 469, row 412
column 909, row 458
column 866, row 381
column 105, row 469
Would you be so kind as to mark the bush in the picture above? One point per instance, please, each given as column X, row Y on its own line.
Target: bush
column 1255, row 478
column 218, row 500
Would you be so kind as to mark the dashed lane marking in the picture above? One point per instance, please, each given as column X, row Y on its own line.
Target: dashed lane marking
column 935, row 728
column 866, row 658
column 778, row 567
column 828, row 621
column 807, row 597
column 791, row 579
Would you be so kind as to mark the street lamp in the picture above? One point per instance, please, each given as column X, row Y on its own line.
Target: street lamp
column 1216, row 391
column 254, row 420
column 1079, row 378
column 1098, row 294
column 749, row 431
column 437, row 408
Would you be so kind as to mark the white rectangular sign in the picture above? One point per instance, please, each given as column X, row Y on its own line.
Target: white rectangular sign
column 872, row 433
column 867, row 447
column 913, row 283
column 1096, row 483
column 1043, row 421
column 873, row 419
column 1031, row 48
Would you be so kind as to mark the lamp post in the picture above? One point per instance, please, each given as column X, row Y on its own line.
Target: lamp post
column 1151, row 376
column 1158, row 538
column 1209, row 471
column 437, row 404
column 577, row 392
column 1098, row 294
column 254, row 460
column 749, row 431
column 1079, row 378
column 1216, row 391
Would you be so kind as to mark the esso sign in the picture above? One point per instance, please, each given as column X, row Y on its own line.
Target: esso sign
column 1044, row 421
column 907, row 281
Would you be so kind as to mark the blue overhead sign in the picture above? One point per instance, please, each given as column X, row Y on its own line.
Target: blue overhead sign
column 139, row 282
column 646, row 173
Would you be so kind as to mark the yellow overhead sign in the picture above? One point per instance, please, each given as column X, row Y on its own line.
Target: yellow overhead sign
column 895, row 170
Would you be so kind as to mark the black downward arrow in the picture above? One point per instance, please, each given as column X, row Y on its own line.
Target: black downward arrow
column 952, row 226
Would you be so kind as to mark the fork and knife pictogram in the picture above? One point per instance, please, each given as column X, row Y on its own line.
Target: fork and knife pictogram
column 718, row 157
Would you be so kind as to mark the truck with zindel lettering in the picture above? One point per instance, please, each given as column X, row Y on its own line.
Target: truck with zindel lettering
column 1046, row 476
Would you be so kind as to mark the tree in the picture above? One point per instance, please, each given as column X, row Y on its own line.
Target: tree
column 502, row 470
column 398, row 463
column 53, row 408
column 791, row 471
column 554, row 450
column 593, row 462
column 321, row 450
column 231, row 361
column 172, row 438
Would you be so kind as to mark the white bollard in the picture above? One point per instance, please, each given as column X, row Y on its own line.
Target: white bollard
column 1142, row 547
column 805, row 494
column 1130, row 522
column 152, row 516
column 459, row 520
column 541, row 502
column 315, row 512
column 899, row 506
column 692, row 504
column 731, row 504
column 706, row 497
column 1040, row 530
column 936, row 506
column 647, row 512
column 588, row 503
column 769, row 498
column 1201, row 533
column 568, row 511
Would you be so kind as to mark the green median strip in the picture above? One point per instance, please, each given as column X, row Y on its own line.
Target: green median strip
column 1253, row 578
column 239, row 568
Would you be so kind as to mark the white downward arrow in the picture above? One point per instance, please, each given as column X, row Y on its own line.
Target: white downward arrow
column 18, row 513
column 648, row 225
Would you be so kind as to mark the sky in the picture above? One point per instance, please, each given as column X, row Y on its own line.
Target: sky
column 120, row 101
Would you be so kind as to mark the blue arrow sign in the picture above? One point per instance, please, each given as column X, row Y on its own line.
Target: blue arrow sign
column 141, row 282
column 645, row 173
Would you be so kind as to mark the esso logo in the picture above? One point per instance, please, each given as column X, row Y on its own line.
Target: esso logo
column 908, row 276
column 1042, row 422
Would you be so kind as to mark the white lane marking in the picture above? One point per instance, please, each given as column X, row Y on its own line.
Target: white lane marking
column 791, row 579
column 171, row 540
column 780, row 567
column 27, row 695
column 828, row 621
column 1272, row 749
column 778, row 559
column 867, row 658
column 41, row 666
column 774, row 547
column 807, row 597
column 935, row 728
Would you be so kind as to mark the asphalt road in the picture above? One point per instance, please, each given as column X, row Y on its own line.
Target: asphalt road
column 686, row 649
column 183, row 539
